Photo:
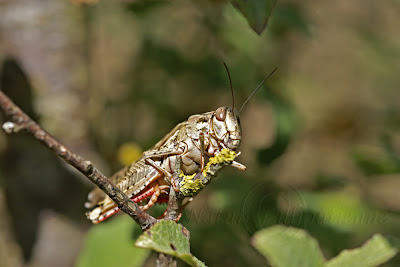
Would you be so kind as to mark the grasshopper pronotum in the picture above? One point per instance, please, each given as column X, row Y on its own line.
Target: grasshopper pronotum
column 201, row 146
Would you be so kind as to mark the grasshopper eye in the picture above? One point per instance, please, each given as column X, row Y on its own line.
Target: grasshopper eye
column 220, row 114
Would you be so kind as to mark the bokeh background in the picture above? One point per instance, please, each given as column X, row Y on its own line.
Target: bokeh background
column 321, row 139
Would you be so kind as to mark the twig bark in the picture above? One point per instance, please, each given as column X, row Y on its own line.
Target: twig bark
column 165, row 260
column 19, row 121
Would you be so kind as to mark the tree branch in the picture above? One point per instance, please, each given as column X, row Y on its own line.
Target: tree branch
column 165, row 260
column 19, row 121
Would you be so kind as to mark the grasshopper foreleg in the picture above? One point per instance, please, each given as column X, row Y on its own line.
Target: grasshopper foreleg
column 202, row 148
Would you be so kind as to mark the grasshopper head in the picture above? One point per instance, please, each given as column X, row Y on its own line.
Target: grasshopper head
column 226, row 127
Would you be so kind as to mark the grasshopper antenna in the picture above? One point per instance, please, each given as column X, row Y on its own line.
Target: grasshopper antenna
column 230, row 82
column 257, row 88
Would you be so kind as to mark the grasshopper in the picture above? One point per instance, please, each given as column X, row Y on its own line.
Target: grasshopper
column 198, row 147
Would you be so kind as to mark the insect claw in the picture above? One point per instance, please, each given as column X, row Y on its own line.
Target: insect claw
column 238, row 165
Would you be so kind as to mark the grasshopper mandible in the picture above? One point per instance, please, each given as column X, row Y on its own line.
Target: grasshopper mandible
column 193, row 144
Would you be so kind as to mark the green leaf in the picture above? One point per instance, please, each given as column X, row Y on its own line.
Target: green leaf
column 375, row 251
column 287, row 246
column 112, row 244
column 170, row 238
column 257, row 12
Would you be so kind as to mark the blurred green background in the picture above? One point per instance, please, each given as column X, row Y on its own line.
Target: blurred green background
column 321, row 139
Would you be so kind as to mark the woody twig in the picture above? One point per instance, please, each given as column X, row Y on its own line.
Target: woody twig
column 18, row 121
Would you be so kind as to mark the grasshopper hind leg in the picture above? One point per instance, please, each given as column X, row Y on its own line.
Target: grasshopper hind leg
column 153, row 199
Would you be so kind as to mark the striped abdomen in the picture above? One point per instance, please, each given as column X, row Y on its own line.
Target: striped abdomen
column 132, row 180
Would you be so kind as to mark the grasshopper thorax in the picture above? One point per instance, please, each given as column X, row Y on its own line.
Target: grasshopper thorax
column 225, row 124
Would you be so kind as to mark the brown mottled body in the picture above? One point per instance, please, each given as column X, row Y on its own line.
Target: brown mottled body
column 193, row 141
